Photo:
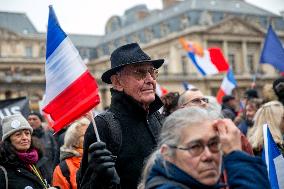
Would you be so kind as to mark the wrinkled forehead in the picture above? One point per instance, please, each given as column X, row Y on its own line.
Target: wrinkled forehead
column 203, row 131
column 194, row 94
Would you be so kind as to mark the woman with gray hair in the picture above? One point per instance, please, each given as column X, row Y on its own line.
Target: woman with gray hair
column 192, row 143
column 64, row 175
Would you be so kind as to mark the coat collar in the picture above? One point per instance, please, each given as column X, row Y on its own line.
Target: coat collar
column 121, row 101
column 172, row 172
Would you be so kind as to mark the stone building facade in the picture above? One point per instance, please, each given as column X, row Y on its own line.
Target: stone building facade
column 235, row 26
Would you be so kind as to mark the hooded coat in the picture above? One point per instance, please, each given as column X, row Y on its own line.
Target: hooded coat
column 244, row 171
column 72, row 158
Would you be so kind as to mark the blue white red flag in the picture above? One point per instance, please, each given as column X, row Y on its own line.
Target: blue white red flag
column 273, row 52
column 228, row 84
column 71, row 90
column 187, row 86
column 160, row 91
column 207, row 61
column 274, row 160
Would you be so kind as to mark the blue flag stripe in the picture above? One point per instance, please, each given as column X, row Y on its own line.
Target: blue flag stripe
column 55, row 35
column 273, row 153
column 191, row 55
column 231, row 77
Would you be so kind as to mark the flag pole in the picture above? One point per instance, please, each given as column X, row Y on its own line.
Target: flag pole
column 95, row 127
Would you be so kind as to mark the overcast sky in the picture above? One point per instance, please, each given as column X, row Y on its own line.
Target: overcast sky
column 90, row 16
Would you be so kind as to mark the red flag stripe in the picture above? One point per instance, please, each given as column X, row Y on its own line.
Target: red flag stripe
column 220, row 95
column 218, row 59
column 73, row 101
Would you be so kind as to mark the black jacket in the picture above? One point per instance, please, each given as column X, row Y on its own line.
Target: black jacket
column 139, row 134
column 19, row 177
column 48, row 146
column 243, row 172
column 229, row 112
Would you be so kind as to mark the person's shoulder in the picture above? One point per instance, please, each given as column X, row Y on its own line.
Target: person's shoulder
column 3, row 172
column 169, row 186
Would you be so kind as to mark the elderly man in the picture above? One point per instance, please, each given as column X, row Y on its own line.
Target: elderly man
column 129, row 128
column 192, row 97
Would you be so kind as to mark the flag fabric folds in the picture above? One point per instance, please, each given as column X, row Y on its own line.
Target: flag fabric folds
column 228, row 84
column 207, row 61
column 273, row 52
column 71, row 90
column 274, row 160
column 160, row 91
column 187, row 86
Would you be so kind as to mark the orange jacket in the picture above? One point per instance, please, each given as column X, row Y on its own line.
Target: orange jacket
column 73, row 164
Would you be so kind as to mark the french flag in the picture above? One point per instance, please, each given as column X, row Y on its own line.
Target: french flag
column 228, row 84
column 207, row 61
column 274, row 160
column 160, row 91
column 71, row 90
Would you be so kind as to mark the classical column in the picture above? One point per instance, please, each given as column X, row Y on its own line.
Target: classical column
column 245, row 62
column 225, row 49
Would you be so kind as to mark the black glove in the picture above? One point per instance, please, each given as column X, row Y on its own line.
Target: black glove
column 103, row 163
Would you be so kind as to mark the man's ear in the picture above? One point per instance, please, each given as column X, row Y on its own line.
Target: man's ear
column 116, row 82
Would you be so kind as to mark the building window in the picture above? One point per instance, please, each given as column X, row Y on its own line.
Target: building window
column 184, row 65
column 42, row 52
column 111, row 46
column 184, row 21
column 232, row 62
column 148, row 34
column 100, row 52
column 29, row 52
column 250, row 63
column 84, row 52
column 164, row 29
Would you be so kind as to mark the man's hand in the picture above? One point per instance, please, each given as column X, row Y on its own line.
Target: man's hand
column 230, row 135
column 103, row 163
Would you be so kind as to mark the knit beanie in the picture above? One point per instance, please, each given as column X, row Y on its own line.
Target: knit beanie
column 14, row 123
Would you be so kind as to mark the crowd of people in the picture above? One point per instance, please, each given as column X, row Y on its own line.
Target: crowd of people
column 185, row 140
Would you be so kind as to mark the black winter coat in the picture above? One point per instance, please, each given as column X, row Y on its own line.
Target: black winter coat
column 139, row 134
column 19, row 177
column 50, row 156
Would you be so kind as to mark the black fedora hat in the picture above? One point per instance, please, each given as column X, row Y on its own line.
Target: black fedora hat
column 126, row 55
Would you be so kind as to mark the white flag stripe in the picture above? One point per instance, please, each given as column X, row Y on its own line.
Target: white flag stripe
column 58, row 64
column 265, row 126
column 227, row 86
column 279, row 167
column 158, row 90
column 207, row 64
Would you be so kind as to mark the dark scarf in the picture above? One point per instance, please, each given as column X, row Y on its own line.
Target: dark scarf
column 29, row 157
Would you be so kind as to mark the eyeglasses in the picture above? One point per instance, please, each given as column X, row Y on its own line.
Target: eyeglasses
column 197, row 148
column 141, row 73
column 197, row 101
